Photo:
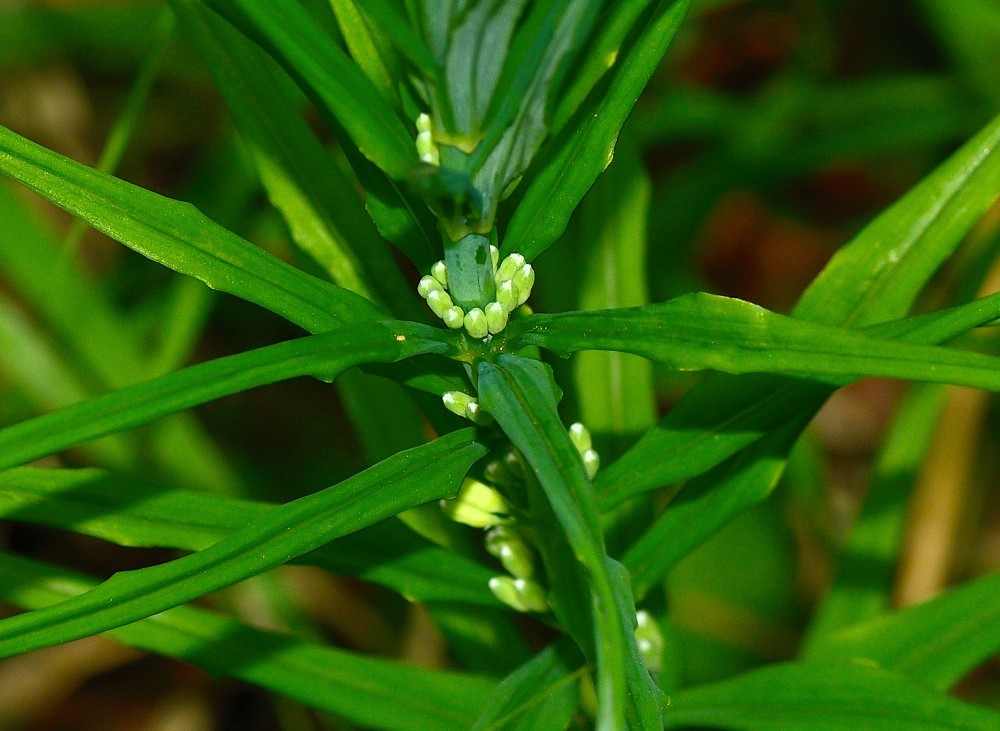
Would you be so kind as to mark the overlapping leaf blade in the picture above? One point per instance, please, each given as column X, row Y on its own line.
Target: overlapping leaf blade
column 176, row 235
column 131, row 511
column 322, row 356
column 823, row 697
column 403, row 481
column 521, row 396
column 372, row 691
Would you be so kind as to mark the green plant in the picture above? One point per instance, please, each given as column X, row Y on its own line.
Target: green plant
column 473, row 132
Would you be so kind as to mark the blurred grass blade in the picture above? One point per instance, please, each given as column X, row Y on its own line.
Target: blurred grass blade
column 397, row 29
column 291, row 35
column 408, row 479
column 325, row 215
column 131, row 511
column 823, row 697
column 521, row 396
column 582, row 153
column 176, row 235
column 700, row 331
column 925, row 227
column 880, row 273
column 375, row 692
column 541, row 694
column 724, row 413
column 866, row 561
column 937, row 643
column 322, row 356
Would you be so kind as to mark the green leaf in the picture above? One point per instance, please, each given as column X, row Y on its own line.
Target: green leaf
column 404, row 38
column 700, row 331
column 937, row 642
column 541, row 694
column 375, row 692
column 322, row 356
column 325, row 215
column 585, row 149
column 176, row 235
column 823, row 698
column 520, row 395
column 408, row 479
column 289, row 33
column 880, row 273
column 131, row 511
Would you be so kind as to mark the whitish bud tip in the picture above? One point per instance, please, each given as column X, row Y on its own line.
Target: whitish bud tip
column 440, row 272
column 591, row 463
column 426, row 285
column 580, row 437
column 475, row 323
column 496, row 317
column 454, row 317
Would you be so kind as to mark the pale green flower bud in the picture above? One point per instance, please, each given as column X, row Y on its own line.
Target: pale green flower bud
column 454, row 317
column 513, row 465
column 428, row 284
column 494, row 256
column 580, row 437
column 650, row 641
column 440, row 272
column 496, row 317
column 475, row 323
column 439, row 301
column 524, row 280
column 513, row 551
column 522, row 595
column 424, row 122
column 477, row 504
column 508, row 295
column 509, row 267
column 498, row 474
column 456, row 402
column 591, row 462
column 475, row 413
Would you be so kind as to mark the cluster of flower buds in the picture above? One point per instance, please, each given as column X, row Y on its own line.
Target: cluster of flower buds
column 514, row 280
column 580, row 437
column 650, row 641
column 518, row 591
column 477, row 504
column 426, row 148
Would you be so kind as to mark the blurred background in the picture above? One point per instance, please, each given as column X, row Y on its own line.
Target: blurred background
column 774, row 130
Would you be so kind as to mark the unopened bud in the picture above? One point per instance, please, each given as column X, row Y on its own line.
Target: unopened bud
column 524, row 280
column 522, row 595
column 439, row 301
column 512, row 551
column 454, row 317
column 580, row 437
column 509, row 267
column 477, row 505
column 508, row 295
column 496, row 317
column 440, row 272
column 591, row 462
column 475, row 323
column 428, row 284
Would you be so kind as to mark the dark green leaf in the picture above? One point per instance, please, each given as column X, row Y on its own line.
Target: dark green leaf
column 521, row 396
column 406, row 480
column 131, row 511
column 823, row 697
column 321, row 356
column 177, row 235
column 367, row 690
column 289, row 33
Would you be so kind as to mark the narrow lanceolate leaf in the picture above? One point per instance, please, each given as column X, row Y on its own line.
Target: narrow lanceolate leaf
column 289, row 33
column 521, row 396
column 176, row 235
column 408, row 479
column 374, row 692
column 130, row 511
column 702, row 331
column 584, row 150
column 724, row 414
column 823, row 697
column 541, row 694
column 322, row 356
column 937, row 642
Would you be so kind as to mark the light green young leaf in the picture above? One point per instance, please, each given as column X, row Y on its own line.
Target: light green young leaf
column 700, row 331
column 823, row 697
column 131, row 511
column 321, row 356
column 375, row 692
column 176, row 235
column 290, row 34
column 583, row 152
column 520, row 395
column 937, row 642
column 408, row 479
